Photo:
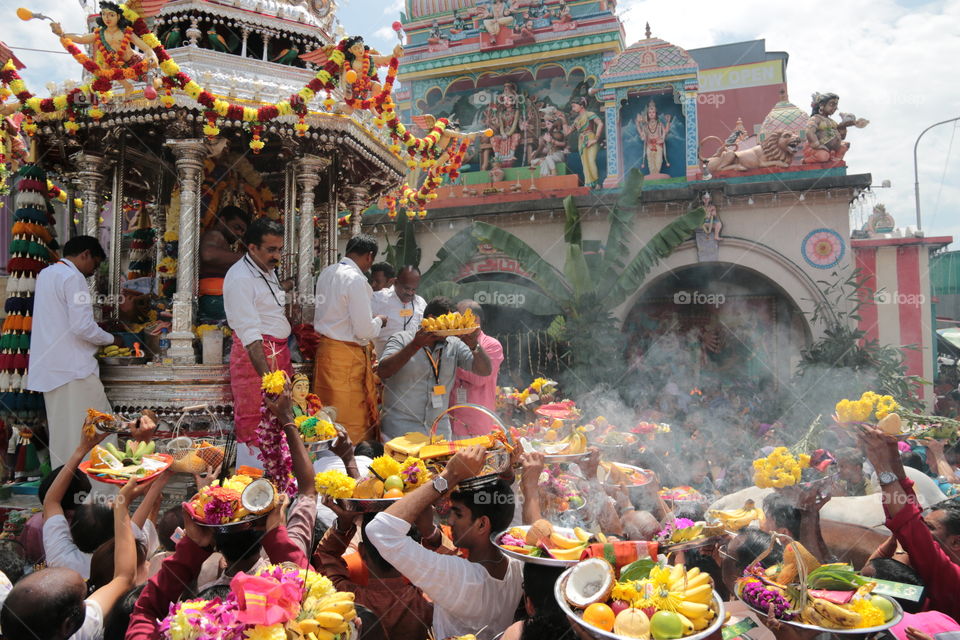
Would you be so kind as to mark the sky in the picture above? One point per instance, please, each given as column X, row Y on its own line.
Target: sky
column 890, row 62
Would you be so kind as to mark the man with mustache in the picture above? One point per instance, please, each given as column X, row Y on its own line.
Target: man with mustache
column 255, row 300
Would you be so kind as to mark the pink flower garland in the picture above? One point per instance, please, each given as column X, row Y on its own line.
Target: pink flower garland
column 274, row 452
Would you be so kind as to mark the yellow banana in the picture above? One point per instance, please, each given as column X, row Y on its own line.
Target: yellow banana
column 677, row 574
column 692, row 609
column 841, row 617
column 343, row 608
column 321, row 634
column 562, row 542
column 688, row 627
column 702, row 594
column 809, row 615
column 329, row 619
column 340, row 628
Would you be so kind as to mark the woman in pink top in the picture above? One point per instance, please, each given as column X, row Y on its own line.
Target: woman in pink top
column 473, row 389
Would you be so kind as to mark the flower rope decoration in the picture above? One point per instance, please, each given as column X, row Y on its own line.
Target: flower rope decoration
column 274, row 451
column 67, row 106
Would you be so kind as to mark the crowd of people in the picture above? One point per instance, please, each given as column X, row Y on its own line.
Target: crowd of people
column 88, row 568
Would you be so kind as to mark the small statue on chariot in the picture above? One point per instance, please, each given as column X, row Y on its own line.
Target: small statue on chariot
column 113, row 40
column 360, row 70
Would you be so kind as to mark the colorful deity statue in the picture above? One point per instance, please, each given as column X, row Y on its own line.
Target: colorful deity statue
column 495, row 16
column 304, row 402
column 552, row 145
column 506, row 128
column 113, row 40
column 711, row 219
column 654, row 132
column 589, row 128
column 363, row 62
column 826, row 138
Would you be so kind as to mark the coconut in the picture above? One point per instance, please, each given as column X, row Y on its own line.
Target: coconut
column 539, row 530
column 891, row 424
column 588, row 582
column 632, row 623
column 259, row 496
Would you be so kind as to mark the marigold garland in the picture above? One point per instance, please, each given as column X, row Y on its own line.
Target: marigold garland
column 871, row 407
column 779, row 469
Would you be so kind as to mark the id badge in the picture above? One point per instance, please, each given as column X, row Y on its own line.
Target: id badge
column 406, row 313
column 436, row 401
column 461, row 395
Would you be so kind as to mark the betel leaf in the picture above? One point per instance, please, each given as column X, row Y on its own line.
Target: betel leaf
column 637, row 570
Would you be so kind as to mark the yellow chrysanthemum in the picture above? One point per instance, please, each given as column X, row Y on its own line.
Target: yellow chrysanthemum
column 183, row 625
column 316, row 585
column 238, row 482
column 414, row 473
column 385, row 466
column 335, row 484
column 274, row 382
column 260, row 632
column 870, row 614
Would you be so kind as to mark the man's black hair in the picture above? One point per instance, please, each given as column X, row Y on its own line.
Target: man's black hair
column 914, row 460
column 752, row 543
column 231, row 212
column 361, row 245
column 118, row 619
column 783, row 512
column 216, row 591
column 102, row 566
column 475, row 307
column 371, row 628
column 260, row 228
column 238, row 545
column 167, row 526
column 369, row 448
column 78, row 244
column 92, row 525
column 76, row 492
column 895, row 571
column 387, row 269
column 13, row 560
column 538, row 584
column 951, row 519
column 438, row 306
column 24, row 615
column 496, row 501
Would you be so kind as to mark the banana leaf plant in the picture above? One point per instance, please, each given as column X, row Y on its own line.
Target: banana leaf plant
column 585, row 292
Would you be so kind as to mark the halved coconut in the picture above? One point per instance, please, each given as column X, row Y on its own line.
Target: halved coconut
column 590, row 581
column 539, row 530
column 259, row 496
column 891, row 424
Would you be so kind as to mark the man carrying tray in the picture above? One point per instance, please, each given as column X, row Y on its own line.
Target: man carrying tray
column 418, row 371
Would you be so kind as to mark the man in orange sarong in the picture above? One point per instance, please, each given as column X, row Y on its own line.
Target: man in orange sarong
column 343, row 375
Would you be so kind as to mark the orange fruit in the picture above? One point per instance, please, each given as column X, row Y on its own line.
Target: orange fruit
column 393, row 493
column 550, row 436
column 599, row 615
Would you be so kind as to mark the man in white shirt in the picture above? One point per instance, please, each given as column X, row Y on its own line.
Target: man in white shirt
column 255, row 300
column 343, row 375
column 476, row 595
column 63, row 343
column 53, row 603
column 401, row 306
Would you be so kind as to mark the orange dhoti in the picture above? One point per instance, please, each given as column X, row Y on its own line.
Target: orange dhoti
column 343, row 377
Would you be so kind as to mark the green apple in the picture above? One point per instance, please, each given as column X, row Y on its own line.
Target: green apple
column 393, row 482
column 884, row 605
column 666, row 625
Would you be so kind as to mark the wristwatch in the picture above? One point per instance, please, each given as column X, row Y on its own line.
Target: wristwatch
column 440, row 484
column 887, row 477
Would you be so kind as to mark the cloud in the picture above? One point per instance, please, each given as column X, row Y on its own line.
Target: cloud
column 393, row 8
column 884, row 59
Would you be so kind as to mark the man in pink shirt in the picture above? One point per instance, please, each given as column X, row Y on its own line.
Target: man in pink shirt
column 470, row 388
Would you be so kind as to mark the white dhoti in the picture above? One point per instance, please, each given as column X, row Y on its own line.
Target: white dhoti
column 66, row 411
column 548, row 163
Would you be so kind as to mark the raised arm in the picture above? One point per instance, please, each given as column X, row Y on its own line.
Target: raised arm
column 396, row 354
column 124, row 552
column 532, row 464
column 51, row 502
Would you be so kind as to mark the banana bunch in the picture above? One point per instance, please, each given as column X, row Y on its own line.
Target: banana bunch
column 686, row 592
column 448, row 321
column 331, row 616
column 113, row 351
column 739, row 518
column 133, row 452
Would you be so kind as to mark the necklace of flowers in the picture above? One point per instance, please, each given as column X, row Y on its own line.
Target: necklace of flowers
column 112, row 57
column 274, row 451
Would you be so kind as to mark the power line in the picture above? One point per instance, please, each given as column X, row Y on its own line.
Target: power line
column 38, row 50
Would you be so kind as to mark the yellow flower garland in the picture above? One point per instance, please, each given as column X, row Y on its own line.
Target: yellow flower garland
column 779, row 469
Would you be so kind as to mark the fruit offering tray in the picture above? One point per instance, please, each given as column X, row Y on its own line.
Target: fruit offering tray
column 543, row 543
column 451, row 324
column 112, row 466
column 600, row 605
column 802, row 593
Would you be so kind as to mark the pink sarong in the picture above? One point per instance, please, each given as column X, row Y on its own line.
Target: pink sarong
column 245, row 384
